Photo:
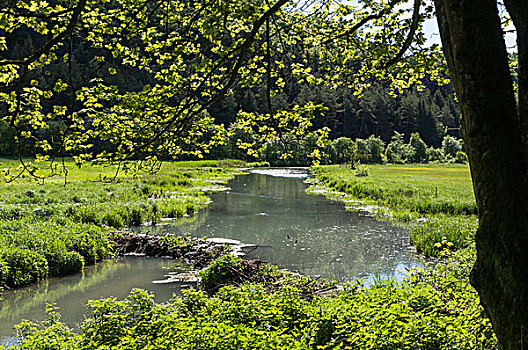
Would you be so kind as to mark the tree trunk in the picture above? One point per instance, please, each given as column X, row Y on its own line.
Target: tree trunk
column 478, row 62
column 518, row 11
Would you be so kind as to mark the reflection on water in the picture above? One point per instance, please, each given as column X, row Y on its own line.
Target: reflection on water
column 302, row 232
column 71, row 293
column 268, row 207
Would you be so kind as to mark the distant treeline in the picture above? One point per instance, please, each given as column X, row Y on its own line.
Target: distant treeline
column 344, row 150
column 432, row 111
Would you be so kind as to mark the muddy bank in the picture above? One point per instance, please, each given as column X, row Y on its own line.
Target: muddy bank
column 197, row 252
column 216, row 263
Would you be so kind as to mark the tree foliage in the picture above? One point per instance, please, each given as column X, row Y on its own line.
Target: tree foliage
column 120, row 80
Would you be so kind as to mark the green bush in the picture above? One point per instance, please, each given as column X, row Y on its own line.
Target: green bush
column 397, row 151
column 451, row 146
column 222, row 271
column 435, row 155
column 461, row 158
column 361, row 170
column 418, row 149
column 91, row 242
column 346, row 150
column 23, row 266
column 62, row 262
column 376, row 150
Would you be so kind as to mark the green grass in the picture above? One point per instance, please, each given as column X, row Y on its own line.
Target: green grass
column 430, row 310
column 436, row 199
column 425, row 189
column 49, row 228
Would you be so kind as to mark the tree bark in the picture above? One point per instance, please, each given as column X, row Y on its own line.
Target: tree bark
column 519, row 14
column 478, row 62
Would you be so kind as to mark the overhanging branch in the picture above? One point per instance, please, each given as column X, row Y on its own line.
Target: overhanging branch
column 57, row 39
column 410, row 35
column 364, row 21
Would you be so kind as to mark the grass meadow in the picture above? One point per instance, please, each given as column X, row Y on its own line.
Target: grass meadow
column 51, row 228
column 436, row 200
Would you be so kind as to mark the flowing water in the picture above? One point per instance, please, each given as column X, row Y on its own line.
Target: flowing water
column 301, row 232
column 268, row 208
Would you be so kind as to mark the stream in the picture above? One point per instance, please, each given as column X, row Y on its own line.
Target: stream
column 269, row 208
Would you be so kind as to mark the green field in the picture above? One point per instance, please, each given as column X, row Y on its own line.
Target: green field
column 49, row 229
column 436, row 200
column 52, row 229
column 421, row 188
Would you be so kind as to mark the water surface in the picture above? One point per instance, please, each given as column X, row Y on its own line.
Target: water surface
column 301, row 232
column 112, row 278
column 269, row 208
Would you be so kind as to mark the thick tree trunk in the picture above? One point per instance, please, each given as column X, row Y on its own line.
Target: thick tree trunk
column 518, row 11
column 478, row 63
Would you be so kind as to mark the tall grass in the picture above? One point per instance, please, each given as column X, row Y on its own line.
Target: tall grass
column 436, row 199
column 51, row 229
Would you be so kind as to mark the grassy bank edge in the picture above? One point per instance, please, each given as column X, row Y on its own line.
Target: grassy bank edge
column 438, row 225
column 51, row 230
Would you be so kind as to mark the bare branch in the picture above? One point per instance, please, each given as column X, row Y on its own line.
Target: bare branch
column 410, row 35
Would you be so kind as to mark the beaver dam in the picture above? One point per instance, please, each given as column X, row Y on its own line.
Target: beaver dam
column 266, row 214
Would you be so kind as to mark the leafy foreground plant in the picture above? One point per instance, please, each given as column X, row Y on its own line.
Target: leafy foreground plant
column 430, row 310
column 31, row 250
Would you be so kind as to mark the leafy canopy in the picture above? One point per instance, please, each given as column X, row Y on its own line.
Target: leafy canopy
column 138, row 76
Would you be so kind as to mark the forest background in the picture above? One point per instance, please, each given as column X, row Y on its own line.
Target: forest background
column 427, row 107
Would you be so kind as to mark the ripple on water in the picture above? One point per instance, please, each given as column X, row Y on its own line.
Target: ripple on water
column 297, row 173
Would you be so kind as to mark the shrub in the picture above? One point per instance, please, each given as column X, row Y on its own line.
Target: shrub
column 346, row 150
column 91, row 242
column 361, row 170
column 376, row 148
column 362, row 150
column 461, row 157
column 418, row 149
column 435, row 155
column 135, row 217
column 222, row 271
column 113, row 219
column 23, row 266
column 451, row 146
column 397, row 151
column 61, row 262
column 190, row 208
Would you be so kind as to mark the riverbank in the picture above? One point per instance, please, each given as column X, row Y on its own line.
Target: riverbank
column 250, row 305
column 51, row 229
column 277, row 310
column 435, row 201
